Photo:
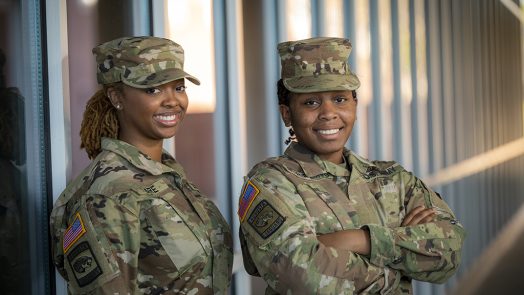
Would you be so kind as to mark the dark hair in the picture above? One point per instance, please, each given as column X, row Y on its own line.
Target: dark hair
column 284, row 95
column 99, row 121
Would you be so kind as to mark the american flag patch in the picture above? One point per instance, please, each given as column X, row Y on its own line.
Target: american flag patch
column 249, row 193
column 73, row 233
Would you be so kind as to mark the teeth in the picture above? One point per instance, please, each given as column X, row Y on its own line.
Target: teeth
column 167, row 118
column 328, row 132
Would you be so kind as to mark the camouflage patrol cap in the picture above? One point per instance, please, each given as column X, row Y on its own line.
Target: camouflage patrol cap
column 140, row 62
column 317, row 64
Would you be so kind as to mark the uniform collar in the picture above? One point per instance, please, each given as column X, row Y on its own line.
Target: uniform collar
column 141, row 160
column 312, row 165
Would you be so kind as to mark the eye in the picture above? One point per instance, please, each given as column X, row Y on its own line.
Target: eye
column 312, row 102
column 152, row 90
column 181, row 88
column 340, row 99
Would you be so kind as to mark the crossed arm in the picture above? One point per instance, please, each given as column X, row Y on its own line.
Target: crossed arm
column 358, row 240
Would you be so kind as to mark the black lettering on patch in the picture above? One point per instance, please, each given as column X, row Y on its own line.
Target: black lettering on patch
column 151, row 189
column 265, row 219
column 84, row 264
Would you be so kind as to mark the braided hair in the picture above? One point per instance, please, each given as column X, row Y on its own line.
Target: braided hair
column 99, row 121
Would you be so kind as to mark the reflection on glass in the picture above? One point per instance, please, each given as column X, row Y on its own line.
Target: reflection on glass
column 298, row 19
column 189, row 23
column 13, row 262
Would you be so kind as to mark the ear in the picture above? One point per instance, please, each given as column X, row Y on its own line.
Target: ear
column 286, row 114
column 115, row 97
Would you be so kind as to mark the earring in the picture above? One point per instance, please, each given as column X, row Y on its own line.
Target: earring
column 292, row 136
column 118, row 107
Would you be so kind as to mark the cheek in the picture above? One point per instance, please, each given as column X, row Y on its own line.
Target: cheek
column 183, row 100
column 300, row 120
column 350, row 115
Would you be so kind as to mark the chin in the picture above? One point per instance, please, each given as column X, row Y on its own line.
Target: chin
column 168, row 134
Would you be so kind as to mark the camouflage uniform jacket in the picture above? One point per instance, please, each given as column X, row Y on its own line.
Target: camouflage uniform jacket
column 287, row 201
column 131, row 225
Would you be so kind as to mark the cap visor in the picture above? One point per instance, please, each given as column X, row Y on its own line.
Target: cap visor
column 160, row 78
column 324, row 82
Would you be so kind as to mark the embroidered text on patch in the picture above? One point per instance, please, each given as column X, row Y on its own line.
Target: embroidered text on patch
column 265, row 219
column 73, row 232
column 248, row 195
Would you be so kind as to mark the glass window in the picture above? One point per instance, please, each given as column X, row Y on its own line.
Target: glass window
column 24, row 263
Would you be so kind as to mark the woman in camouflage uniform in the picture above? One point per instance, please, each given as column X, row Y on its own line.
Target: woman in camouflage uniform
column 321, row 219
column 131, row 223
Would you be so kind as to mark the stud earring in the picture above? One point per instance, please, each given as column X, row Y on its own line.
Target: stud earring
column 118, row 107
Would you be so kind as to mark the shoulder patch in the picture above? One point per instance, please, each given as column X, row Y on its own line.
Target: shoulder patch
column 73, row 233
column 249, row 193
column 265, row 219
column 84, row 264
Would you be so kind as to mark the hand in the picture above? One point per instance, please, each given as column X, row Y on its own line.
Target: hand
column 419, row 215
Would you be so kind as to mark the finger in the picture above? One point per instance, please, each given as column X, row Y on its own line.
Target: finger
column 428, row 219
column 420, row 216
column 411, row 214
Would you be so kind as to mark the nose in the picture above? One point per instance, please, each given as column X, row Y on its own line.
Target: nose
column 327, row 111
column 171, row 99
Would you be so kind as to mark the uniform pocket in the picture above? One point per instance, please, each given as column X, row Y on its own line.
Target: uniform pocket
column 176, row 236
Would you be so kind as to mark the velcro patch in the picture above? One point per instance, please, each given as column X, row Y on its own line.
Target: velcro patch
column 73, row 233
column 249, row 193
column 265, row 219
column 84, row 264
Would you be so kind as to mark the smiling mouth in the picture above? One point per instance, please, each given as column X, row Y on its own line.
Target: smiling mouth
column 167, row 120
column 328, row 131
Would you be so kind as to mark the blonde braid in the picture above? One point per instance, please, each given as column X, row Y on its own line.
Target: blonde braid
column 99, row 121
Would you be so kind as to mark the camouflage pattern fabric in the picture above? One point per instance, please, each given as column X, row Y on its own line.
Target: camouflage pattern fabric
column 140, row 62
column 131, row 225
column 298, row 196
column 317, row 64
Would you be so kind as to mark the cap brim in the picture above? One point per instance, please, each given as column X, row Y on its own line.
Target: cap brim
column 324, row 82
column 160, row 78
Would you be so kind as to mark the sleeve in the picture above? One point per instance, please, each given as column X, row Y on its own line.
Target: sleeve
column 428, row 252
column 102, row 259
column 281, row 240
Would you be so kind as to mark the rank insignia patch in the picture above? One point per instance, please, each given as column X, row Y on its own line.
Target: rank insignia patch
column 73, row 233
column 265, row 219
column 84, row 264
column 249, row 193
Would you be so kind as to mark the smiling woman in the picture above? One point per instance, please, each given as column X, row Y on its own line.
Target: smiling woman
column 322, row 121
column 149, row 115
column 131, row 222
column 320, row 219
